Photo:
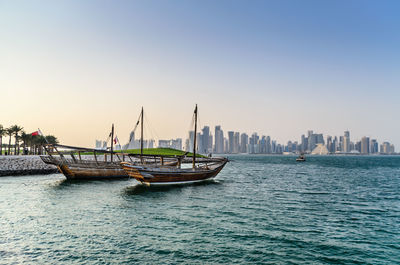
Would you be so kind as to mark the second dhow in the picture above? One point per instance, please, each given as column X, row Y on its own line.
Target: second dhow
column 202, row 169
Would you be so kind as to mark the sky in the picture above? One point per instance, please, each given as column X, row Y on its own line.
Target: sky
column 278, row 68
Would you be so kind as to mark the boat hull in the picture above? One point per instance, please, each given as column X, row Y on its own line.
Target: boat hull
column 73, row 172
column 87, row 169
column 170, row 177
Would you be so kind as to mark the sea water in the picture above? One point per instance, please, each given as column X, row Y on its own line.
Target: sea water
column 259, row 209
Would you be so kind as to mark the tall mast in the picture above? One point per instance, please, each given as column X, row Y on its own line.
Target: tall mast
column 195, row 136
column 141, row 134
column 112, row 141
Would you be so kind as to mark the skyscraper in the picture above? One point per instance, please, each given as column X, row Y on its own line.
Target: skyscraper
column 236, row 142
column 387, row 148
column 244, row 140
column 312, row 140
column 219, row 140
column 320, row 138
column 365, row 145
column 268, row 145
column 346, row 142
column 190, row 141
column 304, row 143
column 329, row 143
column 230, row 142
column 373, row 147
column 205, row 137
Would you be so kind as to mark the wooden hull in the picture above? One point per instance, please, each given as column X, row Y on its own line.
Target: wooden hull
column 73, row 172
column 168, row 176
column 87, row 169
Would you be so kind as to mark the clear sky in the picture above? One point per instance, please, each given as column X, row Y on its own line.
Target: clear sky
column 277, row 68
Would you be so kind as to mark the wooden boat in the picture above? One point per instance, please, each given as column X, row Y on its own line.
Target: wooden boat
column 74, row 168
column 171, row 175
column 94, row 168
column 85, row 169
column 200, row 171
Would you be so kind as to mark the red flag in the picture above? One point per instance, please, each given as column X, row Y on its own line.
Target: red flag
column 35, row 133
column 115, row 140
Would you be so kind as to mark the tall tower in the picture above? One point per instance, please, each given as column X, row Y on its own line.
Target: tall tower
column 230, row 141
column 244, row 140
column 365, row 145
column 346, row 142
column 219, row 140
column 236, row 142
column 205, row 138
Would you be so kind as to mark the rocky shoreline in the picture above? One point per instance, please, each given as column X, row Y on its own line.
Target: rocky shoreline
column 24, row 165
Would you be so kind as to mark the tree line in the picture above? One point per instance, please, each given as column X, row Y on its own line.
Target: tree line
column 30, row 144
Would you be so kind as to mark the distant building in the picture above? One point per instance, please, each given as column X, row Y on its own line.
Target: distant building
column 387, row 148
column 365, row 145
column 244, row 140
column 190, row 142
column 236, row 142
column 150, row 143
column 177, row 143
column 210, row 143
column 304, row 143
column 219, row 140
column 174, row 143
column 101, row 145
column 164, row 143
column 373, row 146
column 204, row 139
column 268, row 145
column 346, row 142
column 357, row 146
column 320, row 150
column 230, row 142
column 329, row 144
column 226, row 146
column 335, row 145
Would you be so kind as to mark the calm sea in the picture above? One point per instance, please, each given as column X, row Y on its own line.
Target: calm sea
column 259, row 209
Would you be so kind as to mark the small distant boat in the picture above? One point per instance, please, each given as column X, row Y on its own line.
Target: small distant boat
column 301, row 158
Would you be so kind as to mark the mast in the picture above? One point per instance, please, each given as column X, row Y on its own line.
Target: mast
column 141, row 135
column 195, row 136
column 112, row 141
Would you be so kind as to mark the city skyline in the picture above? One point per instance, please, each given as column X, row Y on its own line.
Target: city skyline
column 240, row 142
column 315, row 143
column 72, row 68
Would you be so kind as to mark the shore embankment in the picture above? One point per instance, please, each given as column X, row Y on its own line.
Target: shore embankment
column 24, row 165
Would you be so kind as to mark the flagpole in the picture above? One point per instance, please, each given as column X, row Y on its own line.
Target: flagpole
column 112, row 141
column 141, row 138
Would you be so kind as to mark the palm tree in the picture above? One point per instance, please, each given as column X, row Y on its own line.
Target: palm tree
column 9, row 132
column 25, row 139
column 16, row 129
column 2, row 133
